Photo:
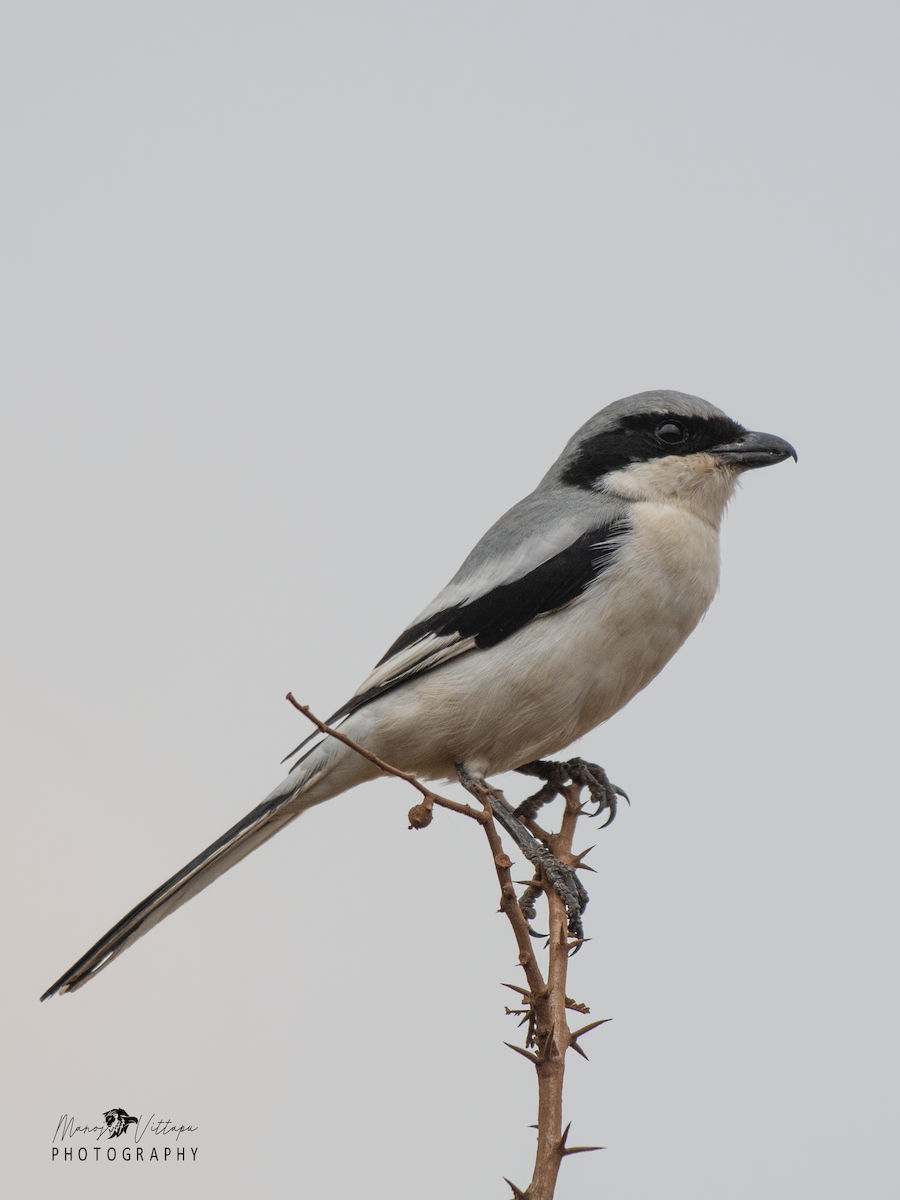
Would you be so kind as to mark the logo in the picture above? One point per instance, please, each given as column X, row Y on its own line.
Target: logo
column 156, row 1139
column 117, row 1121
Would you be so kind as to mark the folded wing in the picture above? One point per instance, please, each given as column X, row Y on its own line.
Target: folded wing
column 485, row 619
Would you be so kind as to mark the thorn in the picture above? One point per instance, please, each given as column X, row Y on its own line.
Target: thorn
column 531, row 1126
column 584, row 853
column 576, row 943
column 587, row 1029
column 514, row 988
column 518, row 1194
column 578, row 1050
column 533, row 1058
column 564, row 1149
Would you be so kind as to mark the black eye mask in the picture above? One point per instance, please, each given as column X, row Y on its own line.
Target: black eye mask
column 646, row 437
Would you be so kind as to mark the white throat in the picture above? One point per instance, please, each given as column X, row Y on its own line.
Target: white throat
column 697, row 482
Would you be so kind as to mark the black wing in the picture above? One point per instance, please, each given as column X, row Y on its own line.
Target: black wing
column 491, row 617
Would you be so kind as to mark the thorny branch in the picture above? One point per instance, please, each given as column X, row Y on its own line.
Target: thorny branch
column 544, row 1002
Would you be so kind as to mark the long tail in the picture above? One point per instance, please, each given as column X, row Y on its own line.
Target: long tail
column 326, row 770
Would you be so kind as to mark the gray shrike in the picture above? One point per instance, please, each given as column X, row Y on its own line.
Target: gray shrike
column 565, row 609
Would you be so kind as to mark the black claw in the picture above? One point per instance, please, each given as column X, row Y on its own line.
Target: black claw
column 613, row 809
column 602, row 792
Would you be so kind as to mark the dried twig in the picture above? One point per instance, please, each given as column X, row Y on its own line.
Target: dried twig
column 545, row 1002
column 431, row 798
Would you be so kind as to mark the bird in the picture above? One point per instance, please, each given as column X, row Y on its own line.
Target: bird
column 569, row 605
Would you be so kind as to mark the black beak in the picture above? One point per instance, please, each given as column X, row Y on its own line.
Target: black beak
column 755, row 450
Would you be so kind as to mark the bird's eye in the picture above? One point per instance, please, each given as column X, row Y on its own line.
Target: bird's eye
column 671, row 433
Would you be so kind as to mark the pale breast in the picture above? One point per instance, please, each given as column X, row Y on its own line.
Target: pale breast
column 664, row 582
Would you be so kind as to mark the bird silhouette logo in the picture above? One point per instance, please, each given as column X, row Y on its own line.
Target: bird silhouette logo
column 117, row 1121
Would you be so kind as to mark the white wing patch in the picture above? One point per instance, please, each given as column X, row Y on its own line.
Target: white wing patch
column 422, row 655
column 429, row 651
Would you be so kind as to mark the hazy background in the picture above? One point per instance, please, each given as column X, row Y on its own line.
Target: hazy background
column 297, row 299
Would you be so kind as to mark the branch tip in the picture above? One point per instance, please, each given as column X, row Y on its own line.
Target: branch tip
column 430, row 797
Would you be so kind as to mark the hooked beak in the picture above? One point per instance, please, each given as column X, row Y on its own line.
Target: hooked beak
column 755, row 450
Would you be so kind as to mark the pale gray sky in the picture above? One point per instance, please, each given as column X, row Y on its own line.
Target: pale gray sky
column 296, row 300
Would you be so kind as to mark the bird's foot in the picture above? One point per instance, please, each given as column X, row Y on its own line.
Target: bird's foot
column 575, row 770
column 561, row 877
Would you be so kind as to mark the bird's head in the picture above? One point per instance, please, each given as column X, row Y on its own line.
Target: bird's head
column 666, row 446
